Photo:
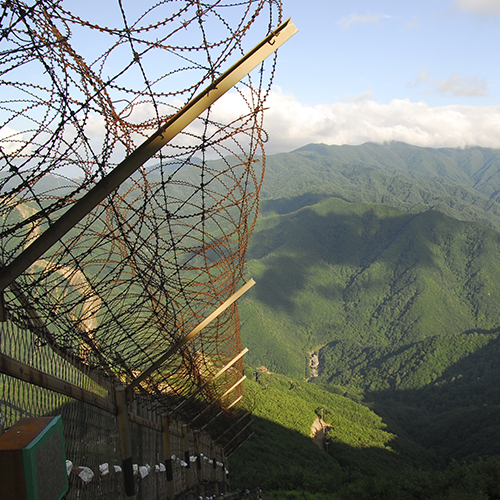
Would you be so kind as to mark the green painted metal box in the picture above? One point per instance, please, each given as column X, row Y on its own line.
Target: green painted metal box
column 32, row 460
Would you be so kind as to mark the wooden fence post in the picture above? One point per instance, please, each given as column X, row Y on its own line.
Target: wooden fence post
column 125, row 442
column 199, row 464
column 167, row 451
column 214, row 464
column 187, row 469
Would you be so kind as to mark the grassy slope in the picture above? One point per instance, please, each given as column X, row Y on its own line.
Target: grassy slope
column 281, row 454
column 364, row 461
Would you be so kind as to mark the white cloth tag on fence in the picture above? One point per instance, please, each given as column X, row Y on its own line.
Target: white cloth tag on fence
column 85, row 474
column 143, row 471
column 104, row 469
column 69, row 466
column 117, row 468
column 183, row 464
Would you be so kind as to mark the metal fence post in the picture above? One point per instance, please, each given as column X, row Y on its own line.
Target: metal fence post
column 125, row 442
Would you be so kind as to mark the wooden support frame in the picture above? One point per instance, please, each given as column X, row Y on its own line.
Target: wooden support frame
column 133, row 417
column 213, row 403
column 172, row 350
column 240, row 445
column 237, row 400
column 232, row 426
column 239, row 433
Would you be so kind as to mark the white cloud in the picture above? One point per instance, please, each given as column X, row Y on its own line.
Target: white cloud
column 462, row 86
column 413, row 24
column 455, row 85
column 421, row 78
column 291, row 124
column 367, row 18
column 482, row 7
column 12, row 140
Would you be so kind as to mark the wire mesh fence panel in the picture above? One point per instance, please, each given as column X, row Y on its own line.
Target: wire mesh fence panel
column 179, row 476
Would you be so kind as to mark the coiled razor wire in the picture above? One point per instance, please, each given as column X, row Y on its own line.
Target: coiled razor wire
column 82, row 85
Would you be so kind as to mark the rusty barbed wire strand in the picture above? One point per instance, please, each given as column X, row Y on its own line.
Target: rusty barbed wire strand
column 82, row 88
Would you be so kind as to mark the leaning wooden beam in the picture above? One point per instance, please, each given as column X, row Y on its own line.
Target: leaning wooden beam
column 211, row 379
column 19, row 370
column 145, row 151
column 213, row 403
column 240, row 445
column 172, row 350
column 237, row 400
column 232, row 426
column 239, row 433
column 212, row 420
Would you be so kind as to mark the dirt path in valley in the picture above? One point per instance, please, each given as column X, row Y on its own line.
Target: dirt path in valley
column 318, row 432
column 92, row 303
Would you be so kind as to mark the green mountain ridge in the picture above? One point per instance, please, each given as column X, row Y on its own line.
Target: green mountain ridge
column 372, row 274
column 398, row 297
column 462, row 183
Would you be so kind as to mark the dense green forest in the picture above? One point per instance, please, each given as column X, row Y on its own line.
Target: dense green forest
column 382, row 261
column 361, row 456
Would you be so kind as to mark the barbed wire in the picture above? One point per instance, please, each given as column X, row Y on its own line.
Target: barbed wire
column 82, row 86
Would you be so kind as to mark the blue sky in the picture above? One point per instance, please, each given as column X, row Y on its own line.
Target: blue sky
column 430, row 50
column 422, row 72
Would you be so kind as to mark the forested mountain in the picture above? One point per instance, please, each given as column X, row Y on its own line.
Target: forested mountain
column 378, row 282
column 384, row 261
column 462, row 183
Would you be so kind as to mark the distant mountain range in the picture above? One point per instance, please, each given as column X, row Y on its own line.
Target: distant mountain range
column 461, row 183
column 383, row 260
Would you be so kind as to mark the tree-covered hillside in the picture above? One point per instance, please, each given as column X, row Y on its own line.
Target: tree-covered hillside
column 373, row 258
column 359, row 456
column 346, row 277
column 462, row 183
